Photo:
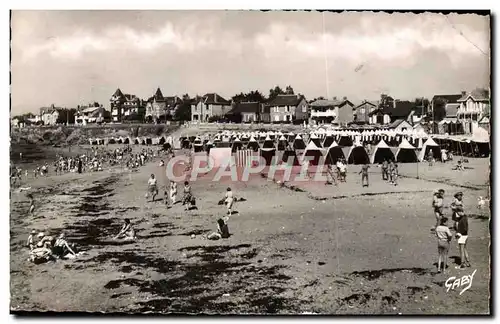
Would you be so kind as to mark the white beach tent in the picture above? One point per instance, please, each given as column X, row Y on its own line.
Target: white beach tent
column 334, row 153
column 313, row 152
column 315, row 139
column 282, row 143
column 430, row 145
column 381, row 152
column 406, row 152
column 298, row 143
column 253, row 144
column 268, row 143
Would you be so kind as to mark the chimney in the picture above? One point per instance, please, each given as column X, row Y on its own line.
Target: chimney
column 335, row 98
column 215, row 97
column 463, row 93
column 344, row 98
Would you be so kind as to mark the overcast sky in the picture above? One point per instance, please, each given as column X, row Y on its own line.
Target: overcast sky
column 74, row 57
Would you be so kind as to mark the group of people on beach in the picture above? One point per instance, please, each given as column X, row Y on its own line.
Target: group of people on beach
column 444, row 233
column 44, row 248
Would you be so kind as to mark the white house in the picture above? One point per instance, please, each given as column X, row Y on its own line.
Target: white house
column 473, row 106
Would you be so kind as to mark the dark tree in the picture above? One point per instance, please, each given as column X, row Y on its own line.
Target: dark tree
column 252, row 96
column 386, row 102
column 185, row 97
column 66, row 116
column 183, row 112
column 439, row 109
column 273, row 93
column 289, row 89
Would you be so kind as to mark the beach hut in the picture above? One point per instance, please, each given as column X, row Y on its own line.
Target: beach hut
column 345, row 140
column 290, row 137
column 356, row 154
column 137, row 141
column 237, row 145
column 298, row 143
column 197, row 145
column 406, row 152
column 148, row 141
column 312, row 153
column 267, row 154
column 290, row 158
column 315, row 139
column 328, row 141
column 111, row 140
column 334, row 153
column 282, row 143
column 253, row 144
column 381, row 152
column 268, row 143
column 430, row 145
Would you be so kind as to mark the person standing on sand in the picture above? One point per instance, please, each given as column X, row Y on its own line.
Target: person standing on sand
column 173, row 192
column 188, row 196
column 364, row 175
column 394, row 174
column 444, row 237
column 437, row 206
column 462, row 236
column 229, row 200
column 152, row 188
column 385, row 167
column 457, row 208
column 430, row 158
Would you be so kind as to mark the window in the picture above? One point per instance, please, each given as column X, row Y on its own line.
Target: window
column 276, row 118
column 304, row 108
column 362, row 111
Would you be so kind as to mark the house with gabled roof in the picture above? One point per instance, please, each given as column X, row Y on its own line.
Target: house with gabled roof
column 125, row 106
column 208, row 106
column 245, row 112
column 288, row 108
column 50, row 115
column 473, row 106
column 362, row 111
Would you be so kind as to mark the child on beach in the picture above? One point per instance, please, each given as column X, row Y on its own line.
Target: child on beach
column 394, row 174
column 457, row 208
column 229, row 200
column 32, row 203
column 444, row 237
column 364, row 175
column 188, row 196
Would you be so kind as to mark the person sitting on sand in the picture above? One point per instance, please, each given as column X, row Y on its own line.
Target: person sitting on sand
column 229, row 200
column 31, row 240
column 127, row 232
column 32, row 203
column 222, row 231
column 459, row 166
column 152, row 188
column 61, row 247
column 41, row 255
column 444, row 237
column 188, row 196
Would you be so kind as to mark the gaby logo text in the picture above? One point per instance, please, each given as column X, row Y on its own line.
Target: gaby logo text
column 453, row 282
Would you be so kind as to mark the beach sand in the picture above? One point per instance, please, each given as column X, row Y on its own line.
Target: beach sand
column 321, row 249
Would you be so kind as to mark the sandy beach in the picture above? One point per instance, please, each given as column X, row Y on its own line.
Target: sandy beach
column 299, row 248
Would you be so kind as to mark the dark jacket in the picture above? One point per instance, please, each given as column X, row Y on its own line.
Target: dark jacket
column 463, row 225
